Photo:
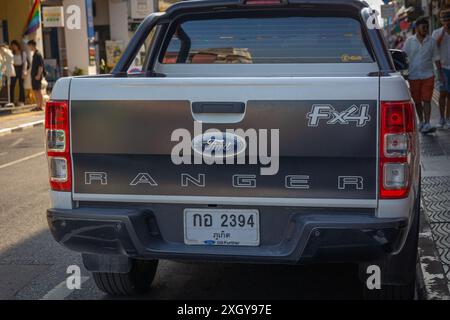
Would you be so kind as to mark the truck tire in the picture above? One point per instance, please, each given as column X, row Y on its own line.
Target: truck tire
column 137, row 281
column 408, row 259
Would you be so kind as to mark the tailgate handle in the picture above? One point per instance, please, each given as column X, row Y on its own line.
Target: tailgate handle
column 218, row 107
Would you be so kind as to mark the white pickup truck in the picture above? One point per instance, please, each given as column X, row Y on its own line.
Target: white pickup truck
column 256, row 131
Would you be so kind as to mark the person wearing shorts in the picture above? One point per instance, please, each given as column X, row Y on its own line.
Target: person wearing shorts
column 442, row 37
column 422, row 51
column 37, row 74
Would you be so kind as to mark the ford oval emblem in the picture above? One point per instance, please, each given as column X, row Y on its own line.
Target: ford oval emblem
column 209, row 242
column 219, row 144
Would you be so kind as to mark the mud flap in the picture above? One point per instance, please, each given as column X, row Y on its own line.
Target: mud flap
column 106, row 263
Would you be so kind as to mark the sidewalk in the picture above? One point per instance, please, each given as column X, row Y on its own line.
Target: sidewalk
column 435, row 159
column 15, row 110
column 14, row 122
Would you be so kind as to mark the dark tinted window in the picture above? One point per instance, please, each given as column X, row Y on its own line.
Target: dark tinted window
column 268, row 40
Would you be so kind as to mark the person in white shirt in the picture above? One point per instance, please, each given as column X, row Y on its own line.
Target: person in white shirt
column 21, row 69
column 8, row 57
column 422, row 51
column 8, row 66
column 442, row 37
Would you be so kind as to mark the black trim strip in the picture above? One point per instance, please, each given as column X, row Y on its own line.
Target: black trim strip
column 218, row 107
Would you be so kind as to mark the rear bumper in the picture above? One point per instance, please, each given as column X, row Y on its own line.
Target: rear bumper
column 287, row 235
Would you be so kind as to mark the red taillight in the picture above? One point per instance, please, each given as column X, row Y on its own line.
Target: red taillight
column 398, row 117
column 397, row 141
column 262, row 2
column 58, row 145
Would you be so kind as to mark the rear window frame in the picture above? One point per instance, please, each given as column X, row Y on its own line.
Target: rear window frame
column 270, row 12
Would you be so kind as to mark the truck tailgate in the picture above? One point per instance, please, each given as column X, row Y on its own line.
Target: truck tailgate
column 121, row 131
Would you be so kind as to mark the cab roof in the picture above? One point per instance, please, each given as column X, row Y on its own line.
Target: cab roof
column 205, row 4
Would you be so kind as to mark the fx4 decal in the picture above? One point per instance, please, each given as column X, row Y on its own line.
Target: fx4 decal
column 355, row 114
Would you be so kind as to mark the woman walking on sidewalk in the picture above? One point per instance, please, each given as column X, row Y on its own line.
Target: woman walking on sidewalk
column 21, row 69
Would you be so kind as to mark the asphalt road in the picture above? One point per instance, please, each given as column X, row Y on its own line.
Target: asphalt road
column 33, row 266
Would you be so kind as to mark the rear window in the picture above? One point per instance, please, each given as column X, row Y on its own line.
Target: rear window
column 267, row 40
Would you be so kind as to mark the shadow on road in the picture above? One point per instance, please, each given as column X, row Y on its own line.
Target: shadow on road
column 33, row 267
column 242, row 281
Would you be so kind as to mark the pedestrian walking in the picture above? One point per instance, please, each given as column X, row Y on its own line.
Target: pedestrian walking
column 20, row 60
column 442, row 37
column 422, row 51
column 37, row 74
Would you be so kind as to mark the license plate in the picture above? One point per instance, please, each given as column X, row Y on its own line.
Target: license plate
column 221, row 227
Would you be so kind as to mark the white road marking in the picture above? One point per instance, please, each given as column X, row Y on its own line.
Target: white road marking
column 21, row 127
column 60, row 292
column 21, row 160
column 17, row 142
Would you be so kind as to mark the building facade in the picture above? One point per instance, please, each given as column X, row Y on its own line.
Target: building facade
column 93, row 46
column 13, row 17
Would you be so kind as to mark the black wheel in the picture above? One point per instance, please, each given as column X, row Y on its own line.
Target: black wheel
column 137, row 281
column 402, row 267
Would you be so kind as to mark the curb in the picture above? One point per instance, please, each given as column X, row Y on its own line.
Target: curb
column 432, row 282
column 21, row 127
column 8, row 111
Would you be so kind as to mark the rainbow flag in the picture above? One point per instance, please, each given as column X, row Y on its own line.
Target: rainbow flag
column 34, row 18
